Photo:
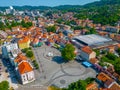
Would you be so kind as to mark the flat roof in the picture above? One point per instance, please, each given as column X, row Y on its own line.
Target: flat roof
column 92, row 39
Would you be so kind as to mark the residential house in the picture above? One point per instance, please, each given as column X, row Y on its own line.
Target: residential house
column 87, row 53
column 115, row 86
column 24, row 43
column 77, row 32
column 111, row 49
column 92, row 86
column 3, row 34
column 25, row 71
column 67, row 32
column 105, row 80
column 35, row 42
column 112, row 29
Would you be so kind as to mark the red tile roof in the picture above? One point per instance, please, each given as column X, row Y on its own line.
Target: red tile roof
column 87, row 50
column 20, row 58
column 24, row 40
column 115, row 87
column 24, row 67
column 103, row 77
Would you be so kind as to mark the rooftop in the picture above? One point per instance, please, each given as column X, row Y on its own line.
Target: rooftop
column 20, row 58
column 103, row 77
column 87, row 50
column 24, row 67
column 115, row 87
column 24, row 40
column 92, row 39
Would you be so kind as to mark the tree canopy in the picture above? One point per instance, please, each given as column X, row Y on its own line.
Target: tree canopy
column 4, row 85
column 68, row 52
column 112, row 59
column 78, row 85
column 29, row 54
column 51, row 29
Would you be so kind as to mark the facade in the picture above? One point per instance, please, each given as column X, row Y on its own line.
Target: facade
column 8, row 50
column 25, row 72
column 87, row 53
column 24, row 43
column 24, row 69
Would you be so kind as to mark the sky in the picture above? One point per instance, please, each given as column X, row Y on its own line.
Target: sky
column 43, row 2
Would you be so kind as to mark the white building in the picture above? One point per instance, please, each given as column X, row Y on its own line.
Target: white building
column 11, row 46
column 7, row 48
column 25, row 72
column 87, row 53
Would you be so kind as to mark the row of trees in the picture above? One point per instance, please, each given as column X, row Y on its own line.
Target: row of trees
column 79, row 85
column 9, row 25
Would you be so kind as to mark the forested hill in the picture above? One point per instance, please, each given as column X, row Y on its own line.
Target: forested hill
column 103, row 3
column 61, row 7
column 103, row 11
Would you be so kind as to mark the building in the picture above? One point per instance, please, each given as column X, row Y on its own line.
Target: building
column 87, row 53
column 25, row 71
column 112, row 29
column 105, row 80
column 92, row 86
column 24, row 43
column 3, row 34
column 10, row 52
column 94, row 41
column 108, row 83
column 9, row 48
column 115, row 86
column 35, row 42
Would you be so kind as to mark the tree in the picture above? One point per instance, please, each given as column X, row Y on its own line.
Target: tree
column 79, row 85
column 59, row 20
column 26, row 24
column 25, row 50
column 118, row 51
column 51, row 29
column 97, row 52
column 111, row 56
column 29, row 54
column 4, row 85
column 35, row 64
column 68, row 52
column 78, row 28
column 117, row 65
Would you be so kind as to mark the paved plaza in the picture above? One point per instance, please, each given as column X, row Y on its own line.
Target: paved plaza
column 54, row 71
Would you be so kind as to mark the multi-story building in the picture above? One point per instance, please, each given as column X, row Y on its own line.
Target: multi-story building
column 24, row 43
column 24, row 69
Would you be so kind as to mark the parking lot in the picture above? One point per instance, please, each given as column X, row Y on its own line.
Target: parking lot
column 55, row 71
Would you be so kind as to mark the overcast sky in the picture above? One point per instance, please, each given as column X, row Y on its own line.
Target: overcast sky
column 43, row 2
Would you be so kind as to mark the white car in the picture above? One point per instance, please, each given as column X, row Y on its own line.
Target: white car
column 50, row 54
